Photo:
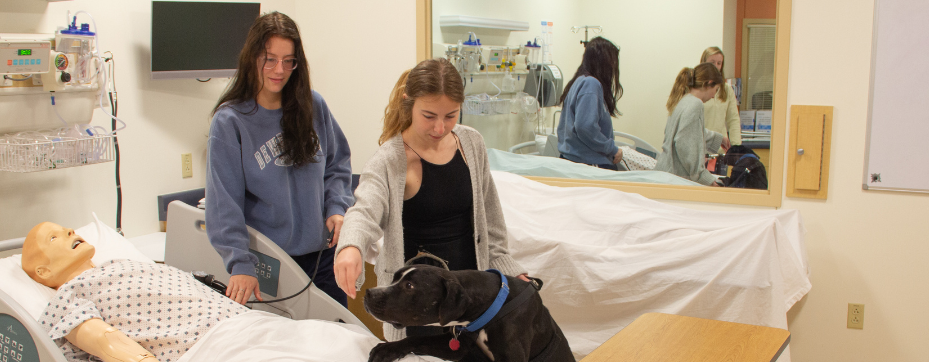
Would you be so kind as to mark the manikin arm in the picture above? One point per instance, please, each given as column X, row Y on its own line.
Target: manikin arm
column 100, row 339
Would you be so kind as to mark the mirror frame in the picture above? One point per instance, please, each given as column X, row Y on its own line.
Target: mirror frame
column 767, row 198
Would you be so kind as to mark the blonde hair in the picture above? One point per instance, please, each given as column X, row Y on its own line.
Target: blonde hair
column 431, row 77
column 723, row 93
column 703, row 75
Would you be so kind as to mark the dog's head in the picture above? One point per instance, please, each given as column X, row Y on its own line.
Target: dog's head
column 418, row 295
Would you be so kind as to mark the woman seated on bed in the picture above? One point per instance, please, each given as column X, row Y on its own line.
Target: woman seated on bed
column 585, row 131
column 686, row 139
column 134, row 311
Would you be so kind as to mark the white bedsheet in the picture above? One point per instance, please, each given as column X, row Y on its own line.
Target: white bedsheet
column 261, row 336
column 608, row 257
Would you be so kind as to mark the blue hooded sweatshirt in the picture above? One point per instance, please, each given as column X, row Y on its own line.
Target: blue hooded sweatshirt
column 248, row 182
column 585, row 132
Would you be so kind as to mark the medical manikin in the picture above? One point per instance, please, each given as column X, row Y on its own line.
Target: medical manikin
column 123, row 293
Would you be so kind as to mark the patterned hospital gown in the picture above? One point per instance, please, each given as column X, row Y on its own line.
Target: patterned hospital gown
column 162, row 308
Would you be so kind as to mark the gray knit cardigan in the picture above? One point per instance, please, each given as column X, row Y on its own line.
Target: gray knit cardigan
column 687, row 141
column 379, row 206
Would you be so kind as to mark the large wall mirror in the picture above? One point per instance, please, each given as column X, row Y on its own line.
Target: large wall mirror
column 655, row 41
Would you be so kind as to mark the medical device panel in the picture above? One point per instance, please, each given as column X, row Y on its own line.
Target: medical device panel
column 24, row 57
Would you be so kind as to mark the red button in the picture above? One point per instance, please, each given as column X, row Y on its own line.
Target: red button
column 9, row 62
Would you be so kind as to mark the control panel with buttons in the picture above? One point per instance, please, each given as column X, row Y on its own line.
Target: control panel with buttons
column 16, row 344
column 24, row 56
column 269, row 273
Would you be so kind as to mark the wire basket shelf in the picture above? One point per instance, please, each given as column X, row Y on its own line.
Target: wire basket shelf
column 53, row 149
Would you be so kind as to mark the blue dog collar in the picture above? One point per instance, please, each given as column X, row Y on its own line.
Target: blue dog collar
column 749, row 155
column 491, row 312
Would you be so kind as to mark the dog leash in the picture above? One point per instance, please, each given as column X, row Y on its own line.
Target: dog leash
column 427, row 255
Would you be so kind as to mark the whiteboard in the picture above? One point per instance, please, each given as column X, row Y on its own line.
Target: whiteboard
column 898, row 123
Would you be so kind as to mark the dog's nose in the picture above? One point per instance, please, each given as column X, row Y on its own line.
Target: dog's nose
column 372, row 296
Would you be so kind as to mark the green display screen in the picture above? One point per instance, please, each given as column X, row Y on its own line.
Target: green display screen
column 25, row 51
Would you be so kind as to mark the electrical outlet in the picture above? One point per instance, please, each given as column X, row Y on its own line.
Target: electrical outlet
column 187, row 165
column 855, row 316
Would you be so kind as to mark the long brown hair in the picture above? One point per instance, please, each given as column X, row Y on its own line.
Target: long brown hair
column 300, row 141
column 722, row 93
column 703, row 75
column 431, row 77
column 601, row 61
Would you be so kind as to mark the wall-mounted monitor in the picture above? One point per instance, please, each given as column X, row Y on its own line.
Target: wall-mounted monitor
column 199, row 39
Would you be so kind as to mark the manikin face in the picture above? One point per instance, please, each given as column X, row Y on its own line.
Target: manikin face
column 280, row 51
column 716, row 60
column 434, row 117
column 53, row 254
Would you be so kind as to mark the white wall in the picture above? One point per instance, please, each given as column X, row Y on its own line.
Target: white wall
column 165, row 119
column 356, row 55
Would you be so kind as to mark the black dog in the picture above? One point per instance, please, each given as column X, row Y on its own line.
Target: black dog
column 425, row 295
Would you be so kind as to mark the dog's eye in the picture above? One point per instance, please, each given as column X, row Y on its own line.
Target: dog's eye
column 409, row 285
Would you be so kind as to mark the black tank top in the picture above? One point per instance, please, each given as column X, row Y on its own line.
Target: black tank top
column 439, row 218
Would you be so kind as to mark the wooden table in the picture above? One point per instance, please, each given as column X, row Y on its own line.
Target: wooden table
column 668, row 337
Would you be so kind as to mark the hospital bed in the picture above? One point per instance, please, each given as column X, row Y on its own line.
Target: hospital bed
column 188, row 248
column 550, row 145
column 608, row 257
column 22, row 300
column 532, row 165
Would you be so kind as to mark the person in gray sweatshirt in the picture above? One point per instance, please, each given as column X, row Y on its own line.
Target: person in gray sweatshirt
column 585, row 130
column 428, row 188
column 686, row 139
column 277, row 162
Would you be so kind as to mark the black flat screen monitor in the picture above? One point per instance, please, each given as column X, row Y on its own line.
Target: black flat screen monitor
column 199, row 39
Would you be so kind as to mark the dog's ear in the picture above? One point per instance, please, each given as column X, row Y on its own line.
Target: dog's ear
column 455, row 301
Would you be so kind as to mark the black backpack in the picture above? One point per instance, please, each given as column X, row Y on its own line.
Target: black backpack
column 747, row 170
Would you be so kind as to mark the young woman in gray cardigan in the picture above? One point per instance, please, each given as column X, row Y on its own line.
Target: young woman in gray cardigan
column 427, row 188
column 686, row 139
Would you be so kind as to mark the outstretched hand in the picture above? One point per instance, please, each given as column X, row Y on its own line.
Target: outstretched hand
column 347, row 268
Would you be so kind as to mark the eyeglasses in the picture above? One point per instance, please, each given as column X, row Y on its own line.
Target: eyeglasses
column 288, row 63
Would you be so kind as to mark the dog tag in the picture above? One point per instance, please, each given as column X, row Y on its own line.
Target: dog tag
column 454, row 344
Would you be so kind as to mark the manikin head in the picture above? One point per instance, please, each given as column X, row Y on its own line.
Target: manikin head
column 53, row 255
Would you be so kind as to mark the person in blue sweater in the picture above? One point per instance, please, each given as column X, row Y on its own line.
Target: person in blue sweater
column 585, row 130
column 278, row 162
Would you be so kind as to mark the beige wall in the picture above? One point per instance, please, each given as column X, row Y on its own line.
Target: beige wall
column 356, row 55
column 864, row 247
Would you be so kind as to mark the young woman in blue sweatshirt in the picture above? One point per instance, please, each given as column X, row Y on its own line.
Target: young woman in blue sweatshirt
column 278, row 162
column 585, row 131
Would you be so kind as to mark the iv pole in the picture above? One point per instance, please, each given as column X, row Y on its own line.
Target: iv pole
column 596, row 28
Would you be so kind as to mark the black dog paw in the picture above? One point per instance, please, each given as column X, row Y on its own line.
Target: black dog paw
column 387, row 352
